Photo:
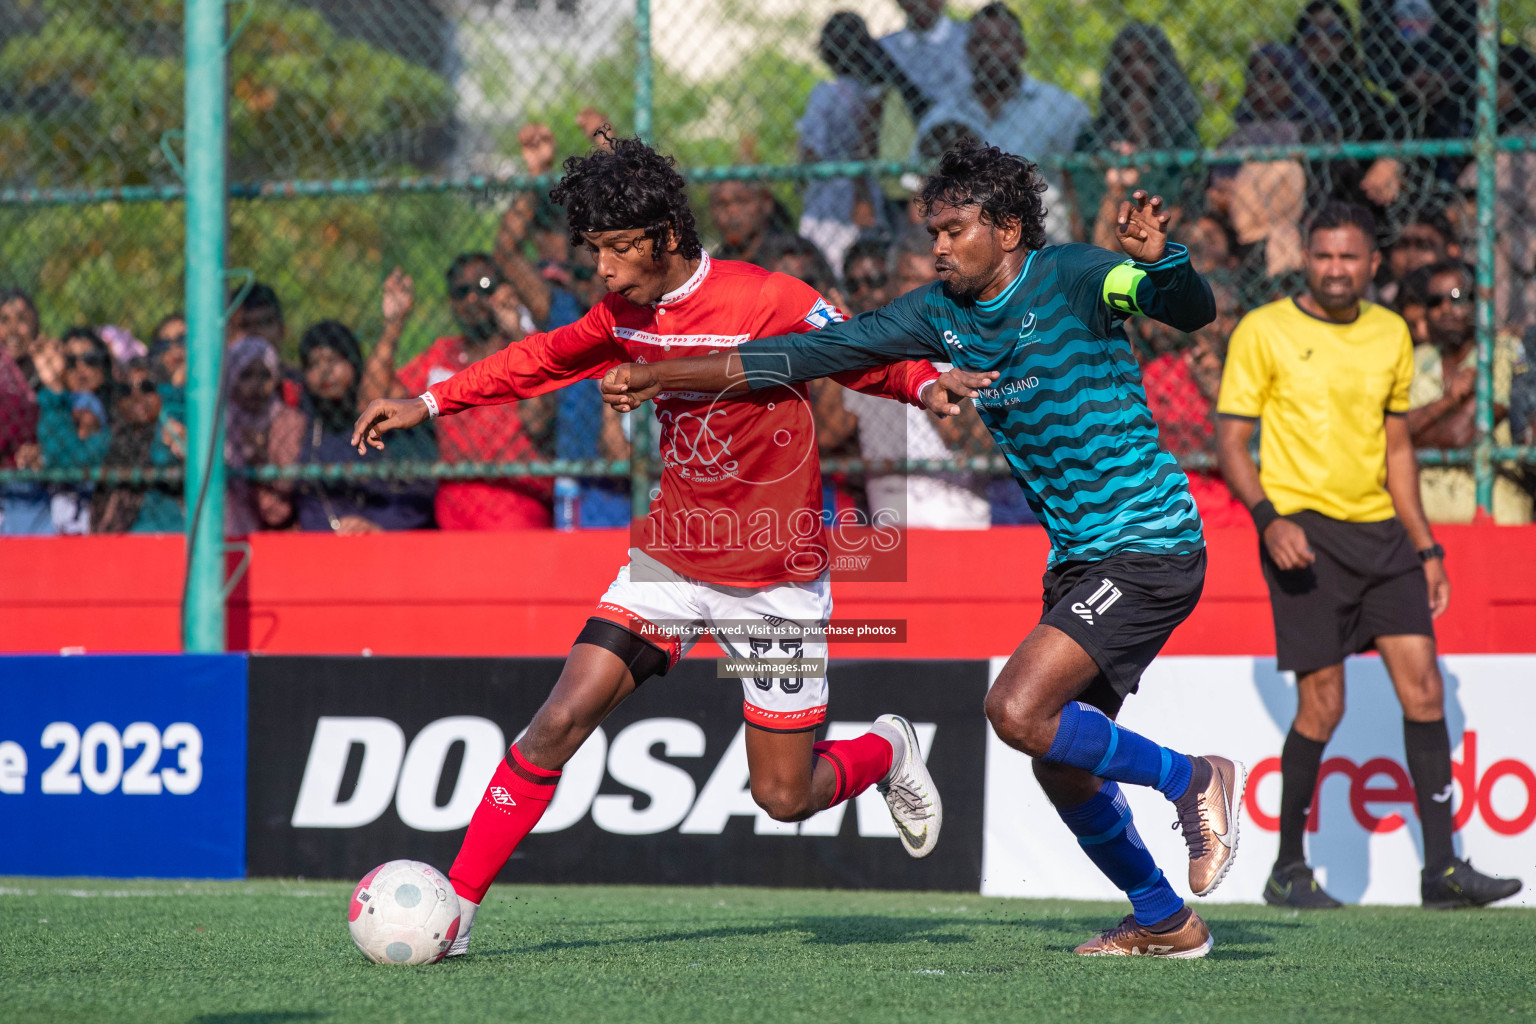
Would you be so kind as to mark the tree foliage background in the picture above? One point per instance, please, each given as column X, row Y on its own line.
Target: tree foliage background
column 88, row 87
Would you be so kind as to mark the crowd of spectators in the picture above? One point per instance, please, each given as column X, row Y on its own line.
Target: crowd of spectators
column 98, row 396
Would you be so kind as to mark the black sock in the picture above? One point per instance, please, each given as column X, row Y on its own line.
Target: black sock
column 1429, row 763
column 1199, row 778
column 1300, row 760
column 1172, row 923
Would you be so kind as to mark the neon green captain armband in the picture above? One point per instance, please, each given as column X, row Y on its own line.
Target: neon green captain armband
column 1120, row 288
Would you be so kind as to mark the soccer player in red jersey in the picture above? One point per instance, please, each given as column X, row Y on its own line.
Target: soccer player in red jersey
column 735, row 534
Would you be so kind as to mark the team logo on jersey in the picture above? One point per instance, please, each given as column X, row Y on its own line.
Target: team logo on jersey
column 823, row 313
column 953, row 340
column 1027, row 327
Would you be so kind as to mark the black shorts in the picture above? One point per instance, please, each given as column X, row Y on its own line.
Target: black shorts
column 1121, row 610
column 1367, row 582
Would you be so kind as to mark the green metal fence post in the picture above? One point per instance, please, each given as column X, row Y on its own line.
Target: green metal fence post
column 202, row 614
column 640, row 435
column 643, row 69
column 1486, row 154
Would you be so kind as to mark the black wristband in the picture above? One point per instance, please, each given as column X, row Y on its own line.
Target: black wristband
column 1263, row 514
column 1433, row 551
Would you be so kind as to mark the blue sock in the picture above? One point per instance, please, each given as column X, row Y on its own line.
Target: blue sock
column 1087, row 739
column 1107, row 834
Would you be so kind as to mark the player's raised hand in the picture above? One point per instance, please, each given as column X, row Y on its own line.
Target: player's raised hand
column 629, row 386
column 382, row 416
column 537, row 141
column 1142, row 227
column 399, row 296
column 953, row 386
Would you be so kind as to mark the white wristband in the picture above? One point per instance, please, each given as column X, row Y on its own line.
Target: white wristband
column 922, row 392
column 432, row 410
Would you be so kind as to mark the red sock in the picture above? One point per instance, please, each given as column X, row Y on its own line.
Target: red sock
column 513, row 803
column 859, row 763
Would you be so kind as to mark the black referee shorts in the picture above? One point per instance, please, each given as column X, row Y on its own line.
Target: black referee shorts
column 1121, row 610
column 1367, row 582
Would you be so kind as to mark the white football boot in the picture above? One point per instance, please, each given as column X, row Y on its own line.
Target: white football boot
column 908, row 789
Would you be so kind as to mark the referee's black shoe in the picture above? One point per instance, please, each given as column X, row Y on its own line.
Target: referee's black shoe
column 1459, row 885
column 1292, row 885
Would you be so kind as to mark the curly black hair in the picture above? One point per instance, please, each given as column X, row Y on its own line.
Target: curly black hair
column 623, row 184
column 1005, row 187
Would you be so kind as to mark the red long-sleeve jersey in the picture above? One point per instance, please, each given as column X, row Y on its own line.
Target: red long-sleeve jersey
column 740, row 494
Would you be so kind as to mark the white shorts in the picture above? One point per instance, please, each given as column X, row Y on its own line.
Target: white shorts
column 672, row 611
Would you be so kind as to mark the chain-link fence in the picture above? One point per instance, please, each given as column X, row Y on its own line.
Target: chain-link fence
column 370, row 135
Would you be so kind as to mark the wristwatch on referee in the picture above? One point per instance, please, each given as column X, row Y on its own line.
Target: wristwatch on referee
column 1433, row 551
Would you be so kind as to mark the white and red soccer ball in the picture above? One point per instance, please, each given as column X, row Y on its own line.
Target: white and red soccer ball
column 404, row 912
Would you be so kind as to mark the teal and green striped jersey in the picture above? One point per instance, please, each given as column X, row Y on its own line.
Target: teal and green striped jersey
column 1068, row 408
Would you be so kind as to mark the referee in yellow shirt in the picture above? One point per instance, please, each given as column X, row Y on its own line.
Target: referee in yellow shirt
column 1345, row 548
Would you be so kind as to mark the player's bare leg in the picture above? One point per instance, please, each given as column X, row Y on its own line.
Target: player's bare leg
column 788, row 780
column 1448, row 882
column 794, row 777
column 1032, row 707
column 594, row 681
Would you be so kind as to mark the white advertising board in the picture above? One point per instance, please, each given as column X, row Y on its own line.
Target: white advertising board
column 1367, row 848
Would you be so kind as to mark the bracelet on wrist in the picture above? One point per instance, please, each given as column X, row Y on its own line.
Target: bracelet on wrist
column 1263, row 514
column 1431, row 552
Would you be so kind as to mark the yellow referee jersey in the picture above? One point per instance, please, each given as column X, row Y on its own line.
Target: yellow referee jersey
column 1322, row 391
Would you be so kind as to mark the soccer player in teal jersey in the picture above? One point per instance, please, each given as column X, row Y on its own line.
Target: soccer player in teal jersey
column 1033, row 332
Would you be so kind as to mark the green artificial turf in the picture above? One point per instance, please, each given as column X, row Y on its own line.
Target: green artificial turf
column 278, row 951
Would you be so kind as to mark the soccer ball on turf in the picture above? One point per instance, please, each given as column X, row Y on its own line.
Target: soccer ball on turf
column 404, row 912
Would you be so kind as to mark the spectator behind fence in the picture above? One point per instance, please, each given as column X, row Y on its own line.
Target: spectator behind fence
column 19, row 331
column 1264, row 201
column 891, row 431
column 322, row 433
column 1181, row 384
column 1443, row 401
column 1522, row 397
column 260, row 313
column 1211, row 243
column 836, row 428
column 143, row 437
column 930, row 50
column 1012, row 111
column 1412, row 304
column 168, row 364
column 253, row 413
column 842, row 122
column 746, row 218
column 1514, row 246
column 1145, row 102
column 1425, row 240
column 24, row 508
column 491, row 318
column 168, row 349
column 73, row 427
column 1325, row 38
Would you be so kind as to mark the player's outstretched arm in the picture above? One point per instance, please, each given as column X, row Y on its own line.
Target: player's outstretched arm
column 630, row 385
column 383, row 415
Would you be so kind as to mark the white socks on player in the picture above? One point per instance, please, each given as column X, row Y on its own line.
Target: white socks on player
column 898, row 742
